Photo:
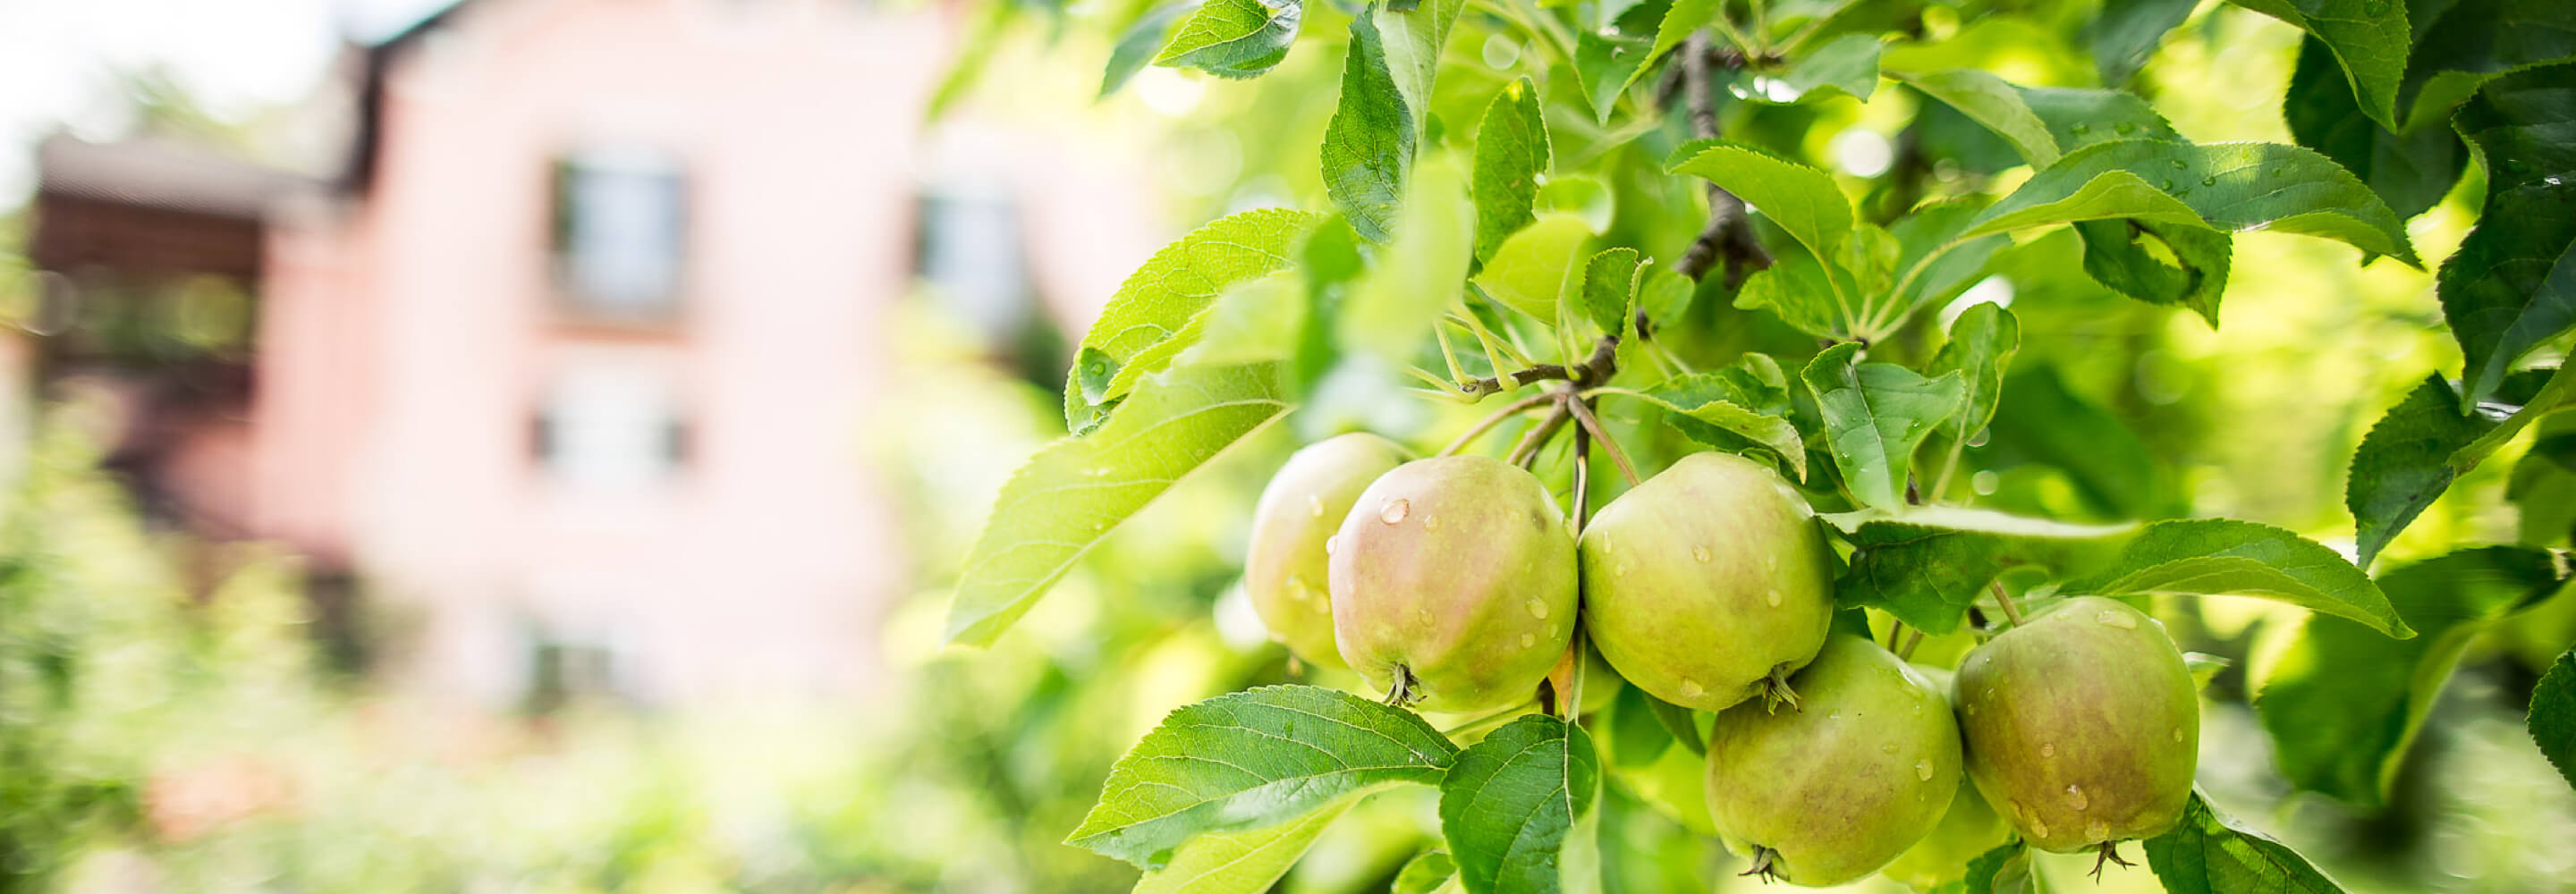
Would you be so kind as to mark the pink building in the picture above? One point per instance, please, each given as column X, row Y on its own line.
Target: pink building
column 565, row 369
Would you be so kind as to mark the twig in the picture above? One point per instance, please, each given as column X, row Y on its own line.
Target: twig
column 1912, row 639
column 2012, row 613
column 1727, row 236
column 1538, row 436
column 1582, row 468
column 1582, row 410
column 1486, row 424
column 1594, row 369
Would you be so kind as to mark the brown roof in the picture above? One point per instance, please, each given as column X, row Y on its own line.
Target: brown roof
column 159, row 174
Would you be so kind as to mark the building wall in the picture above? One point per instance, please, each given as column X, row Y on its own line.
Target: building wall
column 412, row 335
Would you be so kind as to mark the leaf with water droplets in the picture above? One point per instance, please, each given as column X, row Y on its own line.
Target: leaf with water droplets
column 1875, row 414
column 1162, row 307
column 2230, row 187
column 2226, row 557
column 1254, row 759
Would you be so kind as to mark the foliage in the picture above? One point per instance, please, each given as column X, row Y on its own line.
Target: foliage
column 1945, row 351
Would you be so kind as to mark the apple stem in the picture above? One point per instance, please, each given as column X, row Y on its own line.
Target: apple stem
column 2109, row 852
column 1762, row 859
column 1399, row 691
column 1776, row 691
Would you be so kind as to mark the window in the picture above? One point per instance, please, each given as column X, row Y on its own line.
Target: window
column 611, row 428
column 564, row 670
column 970, row 253
column 620, row 234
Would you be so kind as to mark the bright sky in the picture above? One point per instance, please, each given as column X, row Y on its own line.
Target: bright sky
column 57, row 58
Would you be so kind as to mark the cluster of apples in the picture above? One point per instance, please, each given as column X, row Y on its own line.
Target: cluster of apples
column 1454, row 583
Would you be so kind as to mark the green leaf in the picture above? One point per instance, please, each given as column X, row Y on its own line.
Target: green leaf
column 1663, row 296
column 2542, row 487
column 2512, row 285
column 2208, row 853
column 1252, row 322
column 1678, row 721
column 2041, row 420
column 1137, row 44
column 1929, row 564
column 2344, row 702
column 2524, row 125
column 1991, row 101
column 2226, row 186
column 1637, row 733
column 1609, row 294
column 2004, row 870
column 1844, row 66
column 2042, row 124
column 1875, row 414
column 2405, row 463
column 1981, row 345
column 2370, row 38
column 1709, row 407
column 1415, row 33
column 1581, row 196
column 964, row 74
column 1517, row 810
column 1428, row 872
column 2081, row 116
column 1684, row 17
column 1068, row 496
column 2553, row 715
column 1795, row 289
column 1607, row 63
column 1389, row 310
column 1253, row 759
column 2556, row 391
column 1158, row 311
column 1936, row 278
column 1369, row 143
column 2128, row 256
column 1802, row 200
column 1237, row 862
column 1533, row 268
column 2410, row 172
column 2126, row 34
column 1511, row 153
column 2226, row 557
column 1235, row 38
column 2473, row 40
